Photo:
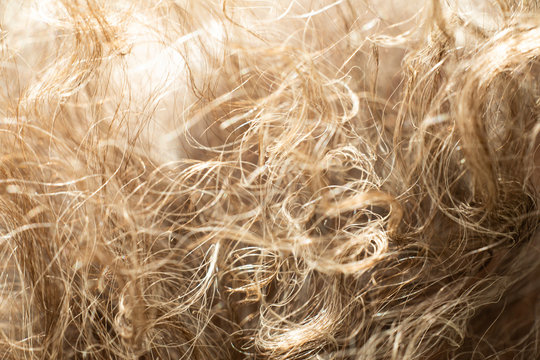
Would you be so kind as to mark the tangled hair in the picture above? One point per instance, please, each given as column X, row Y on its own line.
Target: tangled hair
column 260, row 179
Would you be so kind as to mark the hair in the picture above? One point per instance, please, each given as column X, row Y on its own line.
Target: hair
column 350, row 179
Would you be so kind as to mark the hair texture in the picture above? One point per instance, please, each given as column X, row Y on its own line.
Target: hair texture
column 260, row 179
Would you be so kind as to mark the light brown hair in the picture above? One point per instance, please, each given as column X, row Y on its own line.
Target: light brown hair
column 269, row 179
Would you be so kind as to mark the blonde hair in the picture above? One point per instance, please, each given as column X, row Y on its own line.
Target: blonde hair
column 269, row 179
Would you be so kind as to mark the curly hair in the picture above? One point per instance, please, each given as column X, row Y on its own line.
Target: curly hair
column 269, row 179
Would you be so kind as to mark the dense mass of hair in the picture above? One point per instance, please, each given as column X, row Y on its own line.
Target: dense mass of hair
column 239, row 179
